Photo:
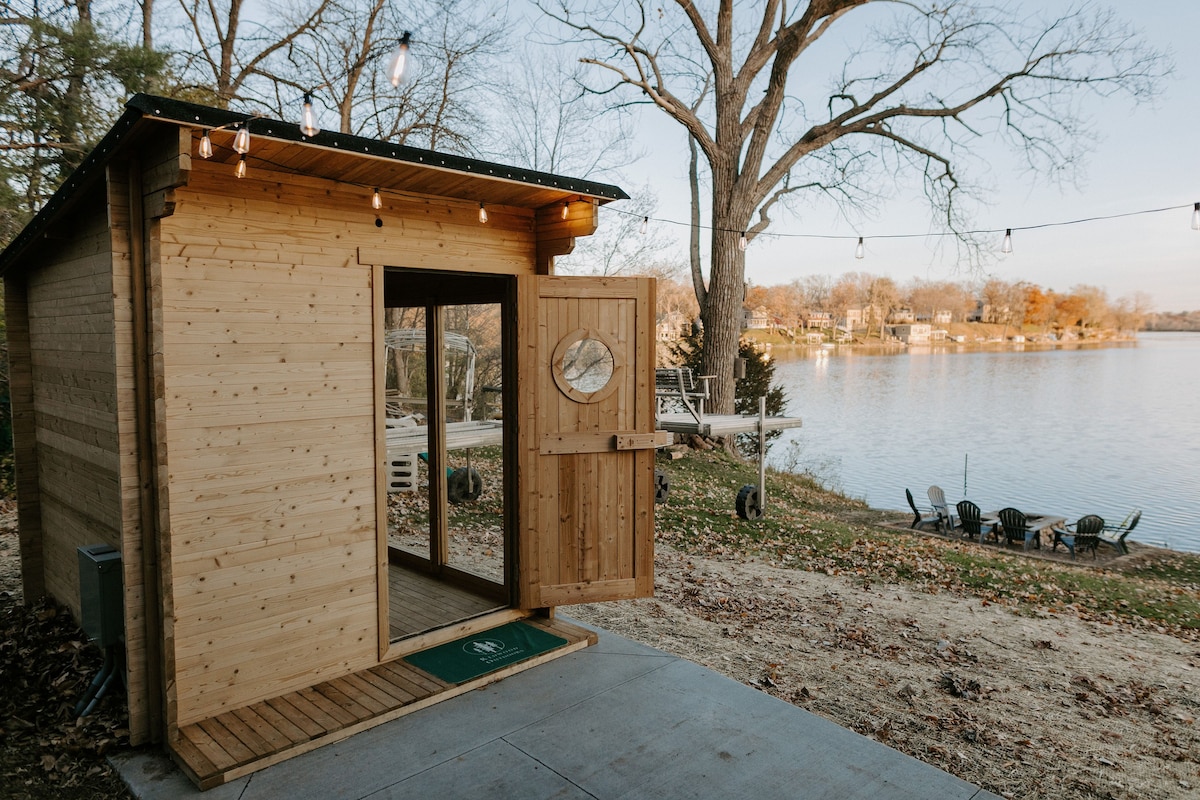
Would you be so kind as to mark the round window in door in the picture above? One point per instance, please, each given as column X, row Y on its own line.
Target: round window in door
column 586, row 366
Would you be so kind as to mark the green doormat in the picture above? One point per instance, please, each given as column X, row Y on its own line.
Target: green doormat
column 471, row 656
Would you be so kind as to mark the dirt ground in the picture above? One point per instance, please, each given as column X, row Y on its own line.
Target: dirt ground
column 1041, row 706
column 1027, row 707
column 46, row 753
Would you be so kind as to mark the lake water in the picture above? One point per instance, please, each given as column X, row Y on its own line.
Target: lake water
column 1092, row 430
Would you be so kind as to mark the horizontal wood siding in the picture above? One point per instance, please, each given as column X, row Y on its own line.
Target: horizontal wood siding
column 267, row 338
column 72, row 347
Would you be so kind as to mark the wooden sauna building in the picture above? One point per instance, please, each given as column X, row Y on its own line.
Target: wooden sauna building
column 201, row 380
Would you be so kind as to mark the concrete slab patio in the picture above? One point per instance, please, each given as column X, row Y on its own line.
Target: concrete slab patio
column 617, row 720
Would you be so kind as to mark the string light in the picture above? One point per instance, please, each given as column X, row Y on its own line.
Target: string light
column 860, row 251
column 742, row 242
column 1006, row 246
column 205, row 145
column 645, row 224
column 566, row 210
column 1196, row 217
column 308, row 119
column 399, row 60
column 483, row 218
column 241, row 141
column 376, row 200
column 240, row 172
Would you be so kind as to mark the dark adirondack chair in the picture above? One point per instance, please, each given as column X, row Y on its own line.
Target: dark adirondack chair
column 919, row 520
column 1015, row 525
column 937, row 499
column 1114, row 535
column 1084, row 536
column 969, row 517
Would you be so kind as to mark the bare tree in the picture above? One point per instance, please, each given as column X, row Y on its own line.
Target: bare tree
column 225, row 51
column 927, row 80
column 626, row 243
column 543, row 110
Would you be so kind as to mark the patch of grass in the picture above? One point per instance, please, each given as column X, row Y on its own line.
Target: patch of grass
column 809, row 528
column 1180, row 569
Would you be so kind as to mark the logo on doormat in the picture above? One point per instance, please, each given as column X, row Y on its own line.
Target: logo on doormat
column 489, row 650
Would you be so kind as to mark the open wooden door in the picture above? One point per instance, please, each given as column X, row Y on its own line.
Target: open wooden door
column 585, row 439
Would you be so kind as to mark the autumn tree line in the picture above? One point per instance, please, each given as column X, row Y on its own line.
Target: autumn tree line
column 1082, row 310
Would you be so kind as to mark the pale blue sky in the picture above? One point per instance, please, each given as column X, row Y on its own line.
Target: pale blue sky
column 1147, row 157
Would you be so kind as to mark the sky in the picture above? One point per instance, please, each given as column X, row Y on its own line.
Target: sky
column 1146, row 156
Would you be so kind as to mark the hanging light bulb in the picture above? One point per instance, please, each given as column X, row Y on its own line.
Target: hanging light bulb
column 1006, row 247
column 482, row 213
column 205, row 145
column 399, row 60
column 742, row 242
column 645, row 224
column 376, row 200
column 861, row 250
column 566, row 210
column 240, row 172
column 1196, row 218
column 308, row 119
column 241, row 142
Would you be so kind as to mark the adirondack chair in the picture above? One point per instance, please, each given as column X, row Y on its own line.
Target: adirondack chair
column 969, row 517
column 1085, row 536
column 937, row 499
column 1114, row 536
column 1016, row 527
column 920, row 520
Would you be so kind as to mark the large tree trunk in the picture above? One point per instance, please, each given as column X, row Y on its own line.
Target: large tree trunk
column 722, row 315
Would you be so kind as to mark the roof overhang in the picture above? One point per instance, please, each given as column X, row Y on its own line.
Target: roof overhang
column 281, row 147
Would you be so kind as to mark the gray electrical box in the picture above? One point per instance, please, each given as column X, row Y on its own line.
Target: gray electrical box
column 101, row 594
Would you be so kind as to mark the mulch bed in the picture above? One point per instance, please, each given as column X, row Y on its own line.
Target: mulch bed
column 46, row 665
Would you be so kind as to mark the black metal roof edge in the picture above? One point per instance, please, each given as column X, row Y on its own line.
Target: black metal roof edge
column 207, row 117
column 142, row 105
column 83, row 175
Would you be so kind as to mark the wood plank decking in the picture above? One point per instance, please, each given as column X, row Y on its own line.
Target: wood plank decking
column 420, row 602
column 236, row 743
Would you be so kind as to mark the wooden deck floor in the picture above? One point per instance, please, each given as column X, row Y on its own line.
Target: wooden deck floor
column 420, row 602
column 236, row 743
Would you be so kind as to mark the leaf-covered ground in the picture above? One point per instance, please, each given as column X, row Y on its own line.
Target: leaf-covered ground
column 1026, row 674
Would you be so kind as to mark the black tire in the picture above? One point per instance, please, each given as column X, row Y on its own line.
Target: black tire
column 748, row 504
column 662, row 487
column 463, row 486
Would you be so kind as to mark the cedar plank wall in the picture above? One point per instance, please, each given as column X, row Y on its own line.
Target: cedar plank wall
column 266, row 327
column 71, row 337
column 117, row 178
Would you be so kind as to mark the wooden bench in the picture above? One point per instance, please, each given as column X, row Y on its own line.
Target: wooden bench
column 681, row 385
